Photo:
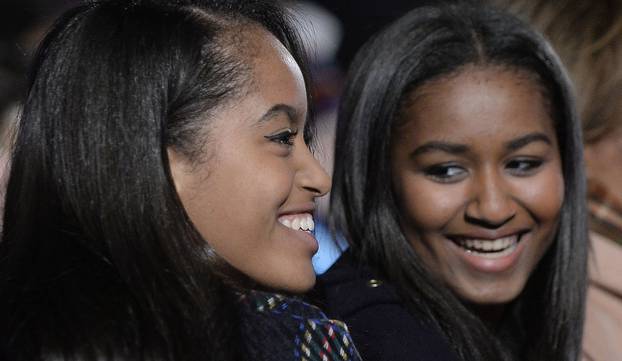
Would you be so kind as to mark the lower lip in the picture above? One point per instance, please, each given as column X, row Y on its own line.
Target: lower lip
column 489, row 265
column 306, row 237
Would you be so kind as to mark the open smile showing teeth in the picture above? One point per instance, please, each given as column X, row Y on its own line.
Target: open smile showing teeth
column 489, row 248
column 298, row 222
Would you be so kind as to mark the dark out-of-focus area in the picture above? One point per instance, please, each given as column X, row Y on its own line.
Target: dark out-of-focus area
column 22, row 24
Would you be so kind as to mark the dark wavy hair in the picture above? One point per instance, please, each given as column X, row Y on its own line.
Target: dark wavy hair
column 98, row 259
column 424, row 45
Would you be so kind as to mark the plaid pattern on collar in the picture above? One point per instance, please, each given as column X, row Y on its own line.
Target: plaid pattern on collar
column 279, row 328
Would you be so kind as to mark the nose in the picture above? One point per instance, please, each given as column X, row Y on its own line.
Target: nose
column 492, row 204
column 311, row 175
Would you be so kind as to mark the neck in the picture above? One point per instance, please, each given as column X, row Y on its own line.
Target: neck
column 492, row 315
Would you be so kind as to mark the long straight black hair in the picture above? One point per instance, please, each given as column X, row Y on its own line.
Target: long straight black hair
column 426, row 44
column 98, row 259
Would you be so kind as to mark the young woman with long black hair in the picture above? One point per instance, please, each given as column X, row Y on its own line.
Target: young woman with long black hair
column 458, row 184
column 161, row 187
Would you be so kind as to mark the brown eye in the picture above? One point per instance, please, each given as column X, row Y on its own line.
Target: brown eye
column 446, row 173
column 524, row 166
column 285, row 138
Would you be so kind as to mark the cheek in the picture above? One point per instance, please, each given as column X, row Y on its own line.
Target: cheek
column 254, row 189
column 544, row 195
column 427, row 205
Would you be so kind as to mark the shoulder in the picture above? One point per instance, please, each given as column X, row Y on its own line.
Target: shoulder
column 346, row 289
column 380, row 324
column 276, row 327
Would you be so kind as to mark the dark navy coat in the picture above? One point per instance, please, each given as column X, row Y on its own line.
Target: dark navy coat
column 380, row 325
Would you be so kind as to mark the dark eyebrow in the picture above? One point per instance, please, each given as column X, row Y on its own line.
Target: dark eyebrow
column 288, row 110
column 451, row 148
column 527, row 139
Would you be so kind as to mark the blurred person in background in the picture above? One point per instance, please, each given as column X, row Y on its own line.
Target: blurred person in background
column 588, row 37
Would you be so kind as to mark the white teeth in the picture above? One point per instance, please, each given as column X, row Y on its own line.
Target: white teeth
column 302, row 222
column 494, row 255
column 490, row 248
column 296, row 223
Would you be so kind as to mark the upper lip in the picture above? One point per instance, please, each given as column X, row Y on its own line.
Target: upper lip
column 484, row 235
column 308, row 207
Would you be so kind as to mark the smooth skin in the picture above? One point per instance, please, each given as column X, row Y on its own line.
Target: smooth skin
column 258, row 169
column 475, row 156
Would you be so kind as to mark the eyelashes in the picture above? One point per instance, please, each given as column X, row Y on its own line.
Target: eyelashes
column 452, row 172
column 523, row 167
column 284, row 138
column 445, row 173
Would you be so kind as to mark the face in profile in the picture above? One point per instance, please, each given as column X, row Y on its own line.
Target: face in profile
column 252, row 199
column 477, row 174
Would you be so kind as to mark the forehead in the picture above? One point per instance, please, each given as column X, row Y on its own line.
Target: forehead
column 274, row 81
column 485, row 103
column 275, row 73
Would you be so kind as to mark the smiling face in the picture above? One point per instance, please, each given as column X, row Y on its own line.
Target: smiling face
column 252, row 199
column 477, row 172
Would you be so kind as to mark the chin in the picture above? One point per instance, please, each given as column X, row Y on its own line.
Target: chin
column 292, row 284
column 492, row 299
column 483, row 296
column 304, row 285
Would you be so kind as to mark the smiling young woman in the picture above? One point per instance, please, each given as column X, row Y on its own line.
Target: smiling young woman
column 262, row 177
column 161, row 191
column 458, row 184
column 478, row 181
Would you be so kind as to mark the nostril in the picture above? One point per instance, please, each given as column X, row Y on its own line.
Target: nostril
column 316, row 191
column 320, row 184
column 487, row 222
column 313, row 178
column 492, row 206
